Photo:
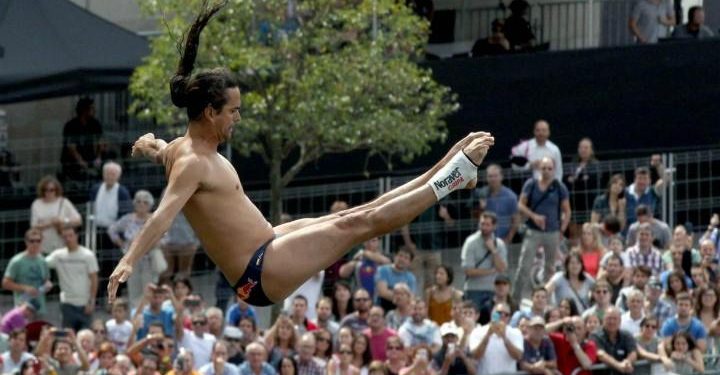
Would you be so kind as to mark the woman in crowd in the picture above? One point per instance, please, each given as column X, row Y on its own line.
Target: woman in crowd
column 343, row 365
column 573, row 283
column 31, row 366
column 345, row 336
column 249, row 329
column 590, row 249
column 685, row 356
column 395, row 355
column 51, row 211
column 592, row 323
column 420, row 362
column 582, row 181
column 287, row 366
column 612, row 202
column 87, row 339
column 361, row 353
column 323, row 344
column 675, row 285
column 281, row 340
column 632, row 319
column 707, row 307
column 342, row 305
column 440, row 296
column 568, row 308
column 106, row 357
column 647, row 344
column 123, row 232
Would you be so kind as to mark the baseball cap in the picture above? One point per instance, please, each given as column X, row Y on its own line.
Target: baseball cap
column 536, row 321
column 449, row 329
column 502, row 278
column 654, row 282
column 233, row 333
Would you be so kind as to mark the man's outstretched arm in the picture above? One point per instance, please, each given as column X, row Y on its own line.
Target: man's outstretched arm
column 150, row 148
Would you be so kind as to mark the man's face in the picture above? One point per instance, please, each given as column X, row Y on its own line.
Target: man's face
column 640, row 280
column 401, row 297
column 225, row 119
column 372, row 245
column 542, row 131
column 699, row 17
column 680, row 237
column 698, row 276
column 612, row 321
column 149, row 367
column 645, row 238
column 602, row 295
column 299, row 308
column 324, row 311
column 502, row 289
column 111, row 176
column 653, row 292
column 256, row 356
column 215, row 321
column 470, row 314
column 376, row 319
column 613, row 267
column 158, row 297
column 707, row 249
column 246, row 327
column 504, row 312
column 419, row 312
column 486, row 226
column 220, row 352
column 493, row 176
column 402, row 260
column 200, row 325
column 677, row 255
column 683, row 308
column 307, row 348
column 361, row 301
column 70, row 238
column 579, row 327
column 547, row 169
column 635, row 304
column 33, row 244
column 539, row 300
column 537, row 332
column 19, row 343
column 642, row 181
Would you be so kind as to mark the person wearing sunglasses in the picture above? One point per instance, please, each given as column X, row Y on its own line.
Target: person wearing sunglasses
column 601, row 295
column 51, row 211
column 198, row 340
column 497, row 346
column 27, row 274
column 342, row 365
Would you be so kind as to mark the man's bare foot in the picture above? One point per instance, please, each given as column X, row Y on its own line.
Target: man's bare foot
column 460, row 145
column 478, row 147
column 146, row 147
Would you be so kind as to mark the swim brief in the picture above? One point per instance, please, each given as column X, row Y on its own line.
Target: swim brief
column 249, row 287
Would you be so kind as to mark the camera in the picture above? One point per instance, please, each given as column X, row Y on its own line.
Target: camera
column 569, row 328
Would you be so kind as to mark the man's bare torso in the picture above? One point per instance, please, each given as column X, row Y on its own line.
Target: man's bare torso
column 228, row 224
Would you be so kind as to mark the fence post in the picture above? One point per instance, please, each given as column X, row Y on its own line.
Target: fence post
column 589, row 23
column 670, row 190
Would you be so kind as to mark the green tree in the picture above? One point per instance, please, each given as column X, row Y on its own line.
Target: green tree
column 319, row 77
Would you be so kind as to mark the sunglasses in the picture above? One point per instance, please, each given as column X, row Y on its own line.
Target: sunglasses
column 199, row 322
column 33, row 240
column 99, row 331
column 651, row 326
column 601, row 291
column 345, row 352
column 361, row 299
column 323, row 339
column 394, row 348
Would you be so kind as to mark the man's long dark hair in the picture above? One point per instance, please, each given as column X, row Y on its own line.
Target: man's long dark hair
column 195, row 93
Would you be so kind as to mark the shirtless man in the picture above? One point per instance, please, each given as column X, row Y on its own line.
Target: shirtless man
column 266, row 264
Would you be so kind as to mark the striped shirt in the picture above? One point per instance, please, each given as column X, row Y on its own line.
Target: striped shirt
column 652, row 259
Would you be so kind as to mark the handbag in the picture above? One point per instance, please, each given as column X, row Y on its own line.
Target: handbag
column 158, row 261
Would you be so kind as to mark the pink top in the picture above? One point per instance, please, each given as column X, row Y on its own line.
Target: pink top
column 591, row 261
column 378, row 341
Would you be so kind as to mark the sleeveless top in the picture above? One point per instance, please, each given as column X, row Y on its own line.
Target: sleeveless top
column 440, row 312
column 591, row 261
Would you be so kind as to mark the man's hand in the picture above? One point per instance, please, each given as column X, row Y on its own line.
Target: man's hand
column 120, row 275
column 626, row 367
column 89, row 308
column 490, row 245
column 146, row 147
column 539, row 220
column 714, row 221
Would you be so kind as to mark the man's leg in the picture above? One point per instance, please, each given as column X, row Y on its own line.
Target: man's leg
column 527, row 256
column 550, row 243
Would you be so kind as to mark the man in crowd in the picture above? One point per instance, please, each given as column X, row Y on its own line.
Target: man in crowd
column 484, row 256
column 306, row 362
column 390, row 274
column 684, row 321
column 357, row 320
column 501, row 294
column 27, row 274
column 654, row 305
column 378, row 333
column 420, row 330
column 18, row 317
column 538, row 307
column 497, row 346
column 640, row 277
column 641, row 191
column 77, row 270
column 601, row 295
column 198, row 340
column 256, row 361
column 545, row 201
column 615, row 275
column 453, row 358
column 299, row 315
column 539, row 353
column 660, row 230
column 403, row 300
column 573, row 348
column 644, row 253
column 695, row 27
column 219, row 364
column 648, row 18
column 538, row 148
column 151, row 309
column 81, row 137
column 325, row 316
column 364, row 265
column 497, row 198
column 616, row 348
column 17, row 353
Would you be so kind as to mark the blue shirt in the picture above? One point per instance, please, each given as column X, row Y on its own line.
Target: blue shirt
column 391, row 276
column 696, row 329
column 527, row 314
column 548, row 206
column 266, row 369
column 503, row 204
column 648, row 198
column 166, row 317
column 234, row 314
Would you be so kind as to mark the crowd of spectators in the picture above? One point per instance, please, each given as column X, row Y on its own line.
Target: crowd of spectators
column 619, row 288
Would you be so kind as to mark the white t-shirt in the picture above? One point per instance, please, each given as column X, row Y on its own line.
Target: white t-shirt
column 311, row 290
column 9, row 367
column 532, row 151
column 42, row 213
column 200, row 346
column 497, row 359
column 629, row 324
column 106, row 205
column 119, row 334
column 74, row 269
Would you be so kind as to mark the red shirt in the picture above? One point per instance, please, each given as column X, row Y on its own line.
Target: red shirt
column 377, row 343
column 566, row 360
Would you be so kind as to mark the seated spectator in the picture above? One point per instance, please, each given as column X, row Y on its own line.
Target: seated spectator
column 420, row 362
column 517, row 29
column 601, row 296
column 707, row 307
column 18, row 318
column 631, row 319
column 323, row 344
column 403, row 300
column 440, row 296
column 420, row 330
column 219, row 364
column 238, row 310
column 644, row 253
column 357, row 320
column 616, row 347
column 324, row 316
column 661, row 235
column 299, row 315
column 361, row 353
column 56, row 349
column 683, row 321
column 287, row 366
column 233, row 338
column 390, row 274
column 50, row 212
column 538, row 307
column 573, row 283
column 640, row 277
column 573, row 348
column 654, row 305
column 306, row 361
column 342, row 365
column 378, row 334
column 686, row 358
column 342, row 301
column 364, row 265
column 256, row 363
column 695, row 27
column 611, row 203
column 538, row 353
column 484, row 257
column 497, row 346
column 282, row 339
column 17, row 353
column 453, row 357
column 502, row 294
column 647, row 345
column 708, row 261
column 495, row 44
column 676, row 284
column 396, row 359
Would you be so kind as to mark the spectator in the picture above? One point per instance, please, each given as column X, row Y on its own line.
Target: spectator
column 640, row 277
column 647, row 19
column 119, row 328
column 123, row 232
column 343, row 364
column 675, row 283
column 699, row 278
column 345, row 337
column 215, row 321
column 249, row 330
column 517, row 29
column 695, row 28
column 361, row 353
column 378, row 334
column 583, row 180
column 616, row 348
column 497, row 346
column 81, row 135
column 453, row 357
column 150, row 308
column 148, row 366
column 573, row 348
column 568, row 308
column 440, row 296
column 184, row 364
column 641, row 192
column 377, row 368
column 708, row 261
column 233, row 338
column 179, row 247
column 311, row 290
column 647, row 345
column 538, row 307
column 323, row 344
column 77, row 269
column 601, row 295
column 357, row 321
column 712, row 233
column 239, row 310
column 545, row 201
column 27, row 274
column 484, row 256
column 51, row 211
column 18, row 317
column 499, row 199
column 420, row 364
column 307, row 364
column 183, row 289
column 390, row 274
column 690, row 256
column 631, row 320
column 422, row 8
column 17, row 353
column 364, row 265
column 591, row 249
column 198, row 340
column 324, row 316
column 106, row 358
column 654, row 305
column 420, row 330
column 611, row 203
column 342, row 304
column 256, row 363
column 529, row 154
column 707, row 307
column 683, row 321
column 282, row 339
column 614, row 274
column 287, row 366
column 396, row 359
column 299, row 315
column 660, row 230
column 55, row 349
column 686, row 358
column 539, row 353
column 643, row 253
column 458, row 321
column 573, row 283
column 86, row 340
column 495, row 44
column 502, row 294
